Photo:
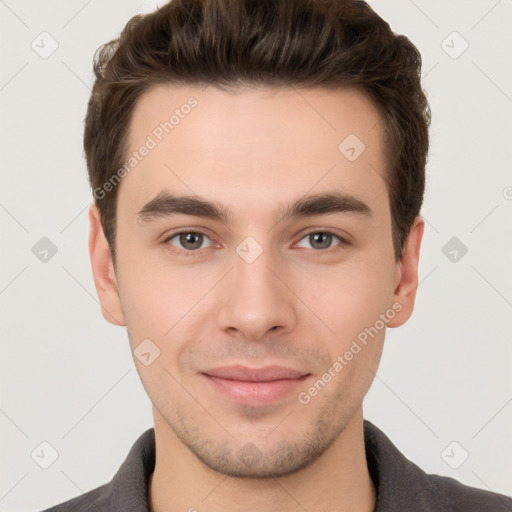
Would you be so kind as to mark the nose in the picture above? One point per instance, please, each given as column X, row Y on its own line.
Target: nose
column 256, row 299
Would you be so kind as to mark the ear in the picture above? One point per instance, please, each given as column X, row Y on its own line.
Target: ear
column 407, row 274
column 105, row 278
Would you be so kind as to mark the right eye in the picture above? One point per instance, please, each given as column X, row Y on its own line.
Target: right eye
column 187, row 242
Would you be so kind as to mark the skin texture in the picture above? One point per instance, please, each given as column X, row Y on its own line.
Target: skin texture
column 297, row 305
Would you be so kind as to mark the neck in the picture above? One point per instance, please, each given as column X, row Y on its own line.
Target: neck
column 337, row 480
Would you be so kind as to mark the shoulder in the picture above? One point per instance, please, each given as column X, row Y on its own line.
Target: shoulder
column 402, row 485
column 95, row 500
column 128, row 489
column 459, row 497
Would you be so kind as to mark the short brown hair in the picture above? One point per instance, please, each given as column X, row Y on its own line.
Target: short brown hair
column 332, row 44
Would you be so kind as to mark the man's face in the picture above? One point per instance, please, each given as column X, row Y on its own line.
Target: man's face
column 256, row 289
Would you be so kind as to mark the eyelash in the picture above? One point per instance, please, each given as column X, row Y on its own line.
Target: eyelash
column 198, row 252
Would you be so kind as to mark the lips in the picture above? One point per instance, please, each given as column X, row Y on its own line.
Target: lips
column 254, row 387
column 245, row 374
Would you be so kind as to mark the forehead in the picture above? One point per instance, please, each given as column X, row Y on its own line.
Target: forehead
column 257, row 142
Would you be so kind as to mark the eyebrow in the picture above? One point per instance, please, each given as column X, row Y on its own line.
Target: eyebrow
column 166, row 205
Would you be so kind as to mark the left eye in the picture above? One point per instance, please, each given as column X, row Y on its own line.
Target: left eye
column 321, row 239
column 189, row 240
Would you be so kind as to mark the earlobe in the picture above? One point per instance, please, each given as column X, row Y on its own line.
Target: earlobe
column 102, row 266
column 405, row 291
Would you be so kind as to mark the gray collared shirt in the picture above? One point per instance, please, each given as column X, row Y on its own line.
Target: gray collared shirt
column 401, row 485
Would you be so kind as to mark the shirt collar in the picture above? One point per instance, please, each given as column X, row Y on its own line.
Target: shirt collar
column 399, row 483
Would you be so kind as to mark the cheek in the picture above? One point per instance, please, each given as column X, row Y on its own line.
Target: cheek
column 349, row 297
column 162, row 304
column 157, row 294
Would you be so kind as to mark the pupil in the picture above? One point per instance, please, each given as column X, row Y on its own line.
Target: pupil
column 187, row 240
column 326, row 239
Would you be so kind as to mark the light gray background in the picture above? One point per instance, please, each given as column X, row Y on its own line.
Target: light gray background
column 67, row 376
